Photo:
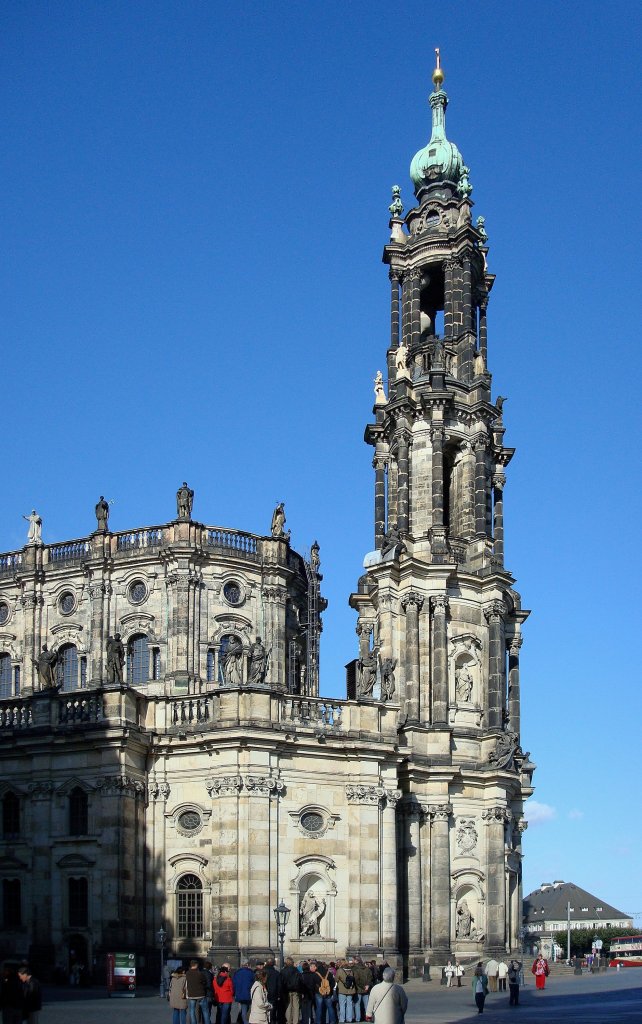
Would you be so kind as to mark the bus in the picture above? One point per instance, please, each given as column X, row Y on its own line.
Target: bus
column 626, row 951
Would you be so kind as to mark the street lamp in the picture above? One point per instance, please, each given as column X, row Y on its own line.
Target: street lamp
column 281, row 915
column 161, row 935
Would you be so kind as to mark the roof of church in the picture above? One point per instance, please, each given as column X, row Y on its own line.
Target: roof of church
column 549, row 903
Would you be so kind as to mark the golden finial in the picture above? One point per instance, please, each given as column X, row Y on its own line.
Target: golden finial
column 438, row 74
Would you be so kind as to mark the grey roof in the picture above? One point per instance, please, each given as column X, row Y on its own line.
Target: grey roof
column 548, row 903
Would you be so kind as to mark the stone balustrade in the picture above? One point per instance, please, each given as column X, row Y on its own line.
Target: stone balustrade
column 16, row 714
column 10, row 562
column 79, row 709
column 69, row 551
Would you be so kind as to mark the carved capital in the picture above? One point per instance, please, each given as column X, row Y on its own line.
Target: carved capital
column 439, row 604
column 379, row 462
column 263, row 785
column 440, row 812
column 415, row 274
column 521, row 825
column 451, row 264
column 499, row 481
column 365, row 794
column 393, row 796
column 363, row 629
column 437, row 434
column 515, row 644
column 412, row 600
column 158, row 790
column 275, row 594
column 480, row 442
column 125, row 785
column 499, row 815
column 40, row 790
column 228, row 785
column 494, row 611
column 395, row 274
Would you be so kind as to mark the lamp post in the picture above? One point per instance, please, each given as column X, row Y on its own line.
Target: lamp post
column 281, row 915
column 161, row 935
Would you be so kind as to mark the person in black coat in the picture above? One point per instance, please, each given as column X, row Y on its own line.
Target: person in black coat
column 274, row 986
column 31, row 995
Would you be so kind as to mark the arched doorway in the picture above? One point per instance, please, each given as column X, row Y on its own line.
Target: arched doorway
column 77, row 959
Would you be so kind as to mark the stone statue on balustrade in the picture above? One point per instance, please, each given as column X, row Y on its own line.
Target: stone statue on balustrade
column 34, row 534
column 102, row 515
column 387, row 666
column 233, row 662
column 315, row 561
column 115, row 659
column 310, row 914
column 46, row 668
column 278, row 521
column 258, row 662
column 366, row 674
column 184, row 501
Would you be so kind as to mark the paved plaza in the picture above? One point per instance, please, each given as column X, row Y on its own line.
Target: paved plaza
column 592, row 999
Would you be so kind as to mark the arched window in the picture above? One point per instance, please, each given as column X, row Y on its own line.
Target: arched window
column 78, row 902
column 10, row 816
column 138, row 659
column 11, row 903
column 189, row 898
column 67, row 668
column 5, row 676
column 78, row 812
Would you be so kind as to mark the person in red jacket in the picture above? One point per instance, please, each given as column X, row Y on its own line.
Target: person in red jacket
column 224, row 994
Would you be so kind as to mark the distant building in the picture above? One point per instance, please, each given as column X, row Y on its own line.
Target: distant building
column 546, row 910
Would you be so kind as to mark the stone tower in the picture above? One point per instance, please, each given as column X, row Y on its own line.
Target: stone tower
column 439, row 622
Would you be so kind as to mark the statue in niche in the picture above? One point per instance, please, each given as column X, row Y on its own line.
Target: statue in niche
column 45, row 666
column 278, row 521
column 438, row 354
column 464, row 924
column 233, row 662
column 34, row 534
column 392, row 542
column 310, row 914
column 258, row 662
column 102, row 515
column 479, row 366
column 366, row 674
column 115, row 659
column 463, row 684
column 184, row 501
column 387, row 677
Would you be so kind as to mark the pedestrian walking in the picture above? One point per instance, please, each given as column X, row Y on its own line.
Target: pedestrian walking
column 480, row 986
column 459, row 971
column 449, row 971
column 31, row 995
column 388, row 1002
column 492, row 970
column 541, row 972
column 514, row 971
column 177, row 996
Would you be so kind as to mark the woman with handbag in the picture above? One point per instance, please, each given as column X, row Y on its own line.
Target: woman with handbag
column 260, row 1006
column 387, row 1003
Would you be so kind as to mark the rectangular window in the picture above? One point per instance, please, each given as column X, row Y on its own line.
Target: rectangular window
column 16, row 678
column 190, row 914
column 156, row 668
column 11, row 903
column 83, row 672
column 78, row 902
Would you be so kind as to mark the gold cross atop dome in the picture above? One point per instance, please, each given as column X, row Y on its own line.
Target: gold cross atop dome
column 438, row 74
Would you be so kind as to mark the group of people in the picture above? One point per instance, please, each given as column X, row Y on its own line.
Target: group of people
column 20, row 995
column 493, row 978
column 311, row 992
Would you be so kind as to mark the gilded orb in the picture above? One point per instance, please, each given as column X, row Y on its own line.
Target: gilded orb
column 438, row 77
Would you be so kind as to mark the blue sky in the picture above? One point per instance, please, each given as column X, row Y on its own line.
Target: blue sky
column 194, row 204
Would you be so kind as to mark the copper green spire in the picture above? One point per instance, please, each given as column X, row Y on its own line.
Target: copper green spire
column 440, row 160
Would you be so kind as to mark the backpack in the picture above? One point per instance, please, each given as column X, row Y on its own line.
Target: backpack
column 324, row 987
column 349, row 981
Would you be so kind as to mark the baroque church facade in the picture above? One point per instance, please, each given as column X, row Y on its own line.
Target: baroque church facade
column 168, row 760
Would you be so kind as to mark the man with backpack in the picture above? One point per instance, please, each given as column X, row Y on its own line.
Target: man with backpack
column 363, row 982
column 291, row 988
column 324, row 985
column 347, row 990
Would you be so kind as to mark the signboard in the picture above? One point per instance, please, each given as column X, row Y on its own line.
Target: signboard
column 121, row 974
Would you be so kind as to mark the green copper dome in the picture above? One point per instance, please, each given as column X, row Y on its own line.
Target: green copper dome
column 440, row 160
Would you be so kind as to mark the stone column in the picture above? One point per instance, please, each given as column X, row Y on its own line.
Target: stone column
column 440, row 878
column 414, row 881
column 275, row 596
column 395, row 278
column 425, row 835
column 483, row 330
column 479, row 443
column 40, row 922
column 157, row 793
column 466, row 352
column 406, row 300
column 379, row 466
column 98, row 636
column 231, row 922
column 363, row 818
column 439, row 607
column 494, row 614
column 514, row 713
column 363, row 630
column 403, row 444
column 412, row 604
column 389, row 938
column 437, row 437
column 499, row 480
column 393, row 514
column 415, row 315
column 449, row 269
column 495, row 819
column 31, row 605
